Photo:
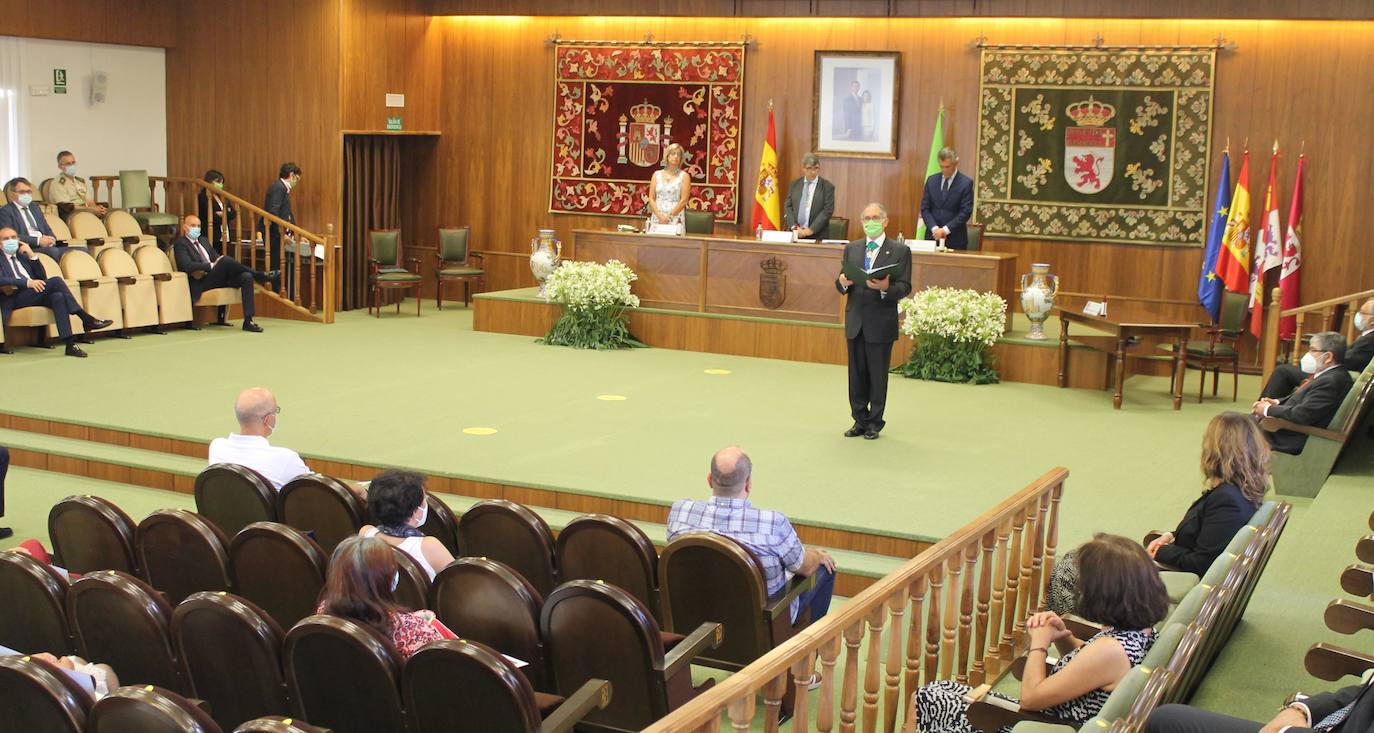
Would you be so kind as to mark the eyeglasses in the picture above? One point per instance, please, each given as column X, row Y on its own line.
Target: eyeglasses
column 878, row 217
column 274, row 412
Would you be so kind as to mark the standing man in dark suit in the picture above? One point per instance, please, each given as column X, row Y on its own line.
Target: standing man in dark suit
column 852, row 113
column 1286, row 377
column 1347, row 710
column 22, row 275
column 207, row 269
column 947, row 202
column 27, row 220
column 1316, row 400
column 870, row 319
column 278, row 204
column 810, row 202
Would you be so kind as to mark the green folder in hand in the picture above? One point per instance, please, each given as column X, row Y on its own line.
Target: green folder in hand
column 856, row 273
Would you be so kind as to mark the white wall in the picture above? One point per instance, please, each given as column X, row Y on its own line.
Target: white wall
column 127, row 131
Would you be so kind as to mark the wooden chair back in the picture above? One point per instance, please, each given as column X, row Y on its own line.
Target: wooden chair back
column 366, row 698
column 323, row 505
column 703, row 577
column 36, row 696
column 233, row 497
column 412, row 588
column 278, row 724
column 278, row 568
column 488, row 602
column 442, row 524
column 453, row 245
column 511, row 533
column 231, row 652
column 181, row 553
column 384, row 246
column 90, row 533
column 148, row 709
column 121, row 621
column 603, row 547
column 35, row 617
column 457, row 684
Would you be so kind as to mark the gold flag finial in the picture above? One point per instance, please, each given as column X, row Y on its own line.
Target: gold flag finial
column 770, row 105
column 1227, row 149
column 1276, row 146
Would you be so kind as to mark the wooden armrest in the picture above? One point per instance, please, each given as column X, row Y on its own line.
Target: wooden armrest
column 162, row 276
column 9, row 289
column 132, row 239
column 781, row 602
column 593, row 693
column 1347, row 617
column 1364, row 549
column 126, row 280
column 94, row 241
column 87, row 284
column 478, row 255
column 986, row 712
column 1331, row 663
column 1081, row 627
column 707, row 636
column 197, row 274
column 1357, row 580
column 1018, row 666
column 416, row 260
column 1273, row 424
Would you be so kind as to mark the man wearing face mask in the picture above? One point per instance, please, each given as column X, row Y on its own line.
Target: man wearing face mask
column 69, row 191
column 870, row 319
column 207, row 269
column 21, row 215
column 257, row 412
column 1316, row 400
column 1286, row 377
column 278, row 204
column 22, row 275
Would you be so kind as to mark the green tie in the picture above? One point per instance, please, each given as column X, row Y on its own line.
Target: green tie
column 872, row 246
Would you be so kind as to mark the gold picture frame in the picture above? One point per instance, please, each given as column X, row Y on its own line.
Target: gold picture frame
column 856, row 107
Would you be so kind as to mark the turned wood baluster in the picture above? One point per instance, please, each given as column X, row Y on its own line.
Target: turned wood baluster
column 802, row 670
column 849, row 692
column 825, row 707
column 997, row 611
column 1010, row 620
column 1029, row 539
column 980, row 625
column 913, row 635
column 1036, row 600
column 741, row 712
column 1051, row 541
column 710, row 726
column 932, row 660
column 772, row 702
column 951, row 616
column 873, row 669
column 966, row 613
column 892, row 684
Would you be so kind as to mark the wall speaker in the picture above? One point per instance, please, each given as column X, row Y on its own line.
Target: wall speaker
column 99, row 86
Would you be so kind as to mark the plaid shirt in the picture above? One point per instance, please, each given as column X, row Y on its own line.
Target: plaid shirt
column 767, row 534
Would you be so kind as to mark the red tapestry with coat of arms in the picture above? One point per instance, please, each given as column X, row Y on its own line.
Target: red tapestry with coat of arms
column 618, row 106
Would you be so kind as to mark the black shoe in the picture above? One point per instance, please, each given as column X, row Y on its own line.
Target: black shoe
column 95, row 324
column 74, row 350
column 274, row 277
column 855, row 431
column 6, row 533
column 252, row 327
column 870, row 434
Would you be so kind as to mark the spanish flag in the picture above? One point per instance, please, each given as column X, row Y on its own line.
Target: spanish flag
column 1233, row 262
column 767, row 200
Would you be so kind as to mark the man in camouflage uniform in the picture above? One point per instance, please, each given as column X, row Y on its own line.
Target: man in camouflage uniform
column 69, row 191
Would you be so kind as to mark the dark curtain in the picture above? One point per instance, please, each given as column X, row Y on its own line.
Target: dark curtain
column 371, row 188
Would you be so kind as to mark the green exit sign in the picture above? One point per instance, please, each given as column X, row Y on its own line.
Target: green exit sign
column 59, row 77
column 393, row 123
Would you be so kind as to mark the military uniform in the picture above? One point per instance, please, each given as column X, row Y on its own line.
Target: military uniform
column 66, row 189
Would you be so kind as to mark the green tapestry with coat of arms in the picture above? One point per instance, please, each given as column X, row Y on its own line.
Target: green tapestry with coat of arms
column 1098, row 145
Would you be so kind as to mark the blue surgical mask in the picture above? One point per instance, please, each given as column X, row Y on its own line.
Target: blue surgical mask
column 193, row 232
column 11, row 246
column 25, row 199
column 70, row 171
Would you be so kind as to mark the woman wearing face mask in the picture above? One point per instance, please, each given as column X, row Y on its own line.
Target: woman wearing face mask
column 669, row 190
column 223, row 212
column 362, row 581
column 397, row 501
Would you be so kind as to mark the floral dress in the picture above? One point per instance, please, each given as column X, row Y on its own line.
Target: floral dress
column 941, row 707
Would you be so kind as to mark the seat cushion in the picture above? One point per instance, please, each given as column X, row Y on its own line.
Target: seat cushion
column 397, row 277
column 457, row 271
column 154, row 218
column 1177, row 584
column 1204, row 348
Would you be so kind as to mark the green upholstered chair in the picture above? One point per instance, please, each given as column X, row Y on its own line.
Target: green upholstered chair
column 1188, row 608
column 975, row 237
column 384, row 259
column 699, row 222
column 1304, row 474
column 456, row 264
column 136, row 197
column 1166, row 642
column 1219, row 349
column 838, row 228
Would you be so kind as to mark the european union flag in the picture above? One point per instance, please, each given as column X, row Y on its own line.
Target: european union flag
column 1209, row 285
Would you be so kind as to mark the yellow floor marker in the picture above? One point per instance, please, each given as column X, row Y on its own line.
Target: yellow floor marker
column 479, row 431
column 717, row 371
column 612, row 397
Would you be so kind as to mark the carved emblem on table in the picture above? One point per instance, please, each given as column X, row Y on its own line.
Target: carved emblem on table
column 772, row 282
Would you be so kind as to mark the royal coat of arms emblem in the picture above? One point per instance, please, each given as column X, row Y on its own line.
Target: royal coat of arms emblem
column 645, row 139
column 772, row 283
column 1089, row 148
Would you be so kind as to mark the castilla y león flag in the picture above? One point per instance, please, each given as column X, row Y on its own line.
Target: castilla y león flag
column 767, row 200
column 1269, row 253
column 1292, row 258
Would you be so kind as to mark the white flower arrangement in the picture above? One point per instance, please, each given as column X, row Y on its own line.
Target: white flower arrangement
column 962, row 316
column 591, row 285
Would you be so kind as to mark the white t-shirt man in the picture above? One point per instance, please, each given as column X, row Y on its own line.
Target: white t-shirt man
column 277, row 465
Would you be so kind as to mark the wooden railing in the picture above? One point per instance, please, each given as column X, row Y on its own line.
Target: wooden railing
column 309, row 262
column 961, row 606
column 1332, row 313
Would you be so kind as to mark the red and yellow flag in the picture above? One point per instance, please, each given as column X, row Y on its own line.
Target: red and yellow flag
column 767, row 200
column 1292, row 258
column 1233, row 262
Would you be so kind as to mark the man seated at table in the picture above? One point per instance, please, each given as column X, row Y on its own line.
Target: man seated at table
column 197, row 255
column 810, row 202
column 1316, row 400
column 1287, row 377
column 20, row 269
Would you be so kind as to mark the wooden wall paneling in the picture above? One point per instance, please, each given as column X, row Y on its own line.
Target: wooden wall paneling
column 388, row 47
column 126, row 22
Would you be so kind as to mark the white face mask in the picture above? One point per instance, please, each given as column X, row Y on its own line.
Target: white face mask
column 272, row 429
column 1361, row 322
column 424, row 514
column 1309, row 363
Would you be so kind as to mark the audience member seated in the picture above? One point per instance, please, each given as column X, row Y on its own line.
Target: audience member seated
column 1287, row 377
column 1347, row 710
column 363, row 576
column 5, row 532
column 767, row 534
column 222, row 215
column 99, row 679
column 195, row 254
column 396, row 500
column 21, row 269
column 1315, row 401
column 1120, row 588
column 256, row 410
column 69, row 191
column 21, row 215
column 36, row 550
column 1235, row 473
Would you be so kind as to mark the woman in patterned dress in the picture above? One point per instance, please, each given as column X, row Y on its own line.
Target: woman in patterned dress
column 363, row 576
column 670, row 189
column 1119, row 588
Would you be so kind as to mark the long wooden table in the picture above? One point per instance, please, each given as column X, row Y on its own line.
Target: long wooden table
column 1118, row 346
column 710, row 274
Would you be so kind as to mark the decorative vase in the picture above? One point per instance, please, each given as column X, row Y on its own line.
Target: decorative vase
column 1038, row 288
column 546, row 254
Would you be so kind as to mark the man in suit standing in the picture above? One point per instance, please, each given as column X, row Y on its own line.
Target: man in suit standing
column 1316, row 400
column 810, row 202
column 207, row 269
column 21, row 215
column 852, row 111
column 947, row 202
column 1286, row 377
column 1347, row 710
column 278, row 204
column 22, row 275
column 870, row 319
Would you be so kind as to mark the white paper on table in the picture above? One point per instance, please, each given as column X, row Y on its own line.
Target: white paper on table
column 1095, row 308
column 773, row 236
column 670, row 229
column 921, row 245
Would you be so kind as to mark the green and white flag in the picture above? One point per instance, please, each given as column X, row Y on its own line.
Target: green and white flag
column 937, row 141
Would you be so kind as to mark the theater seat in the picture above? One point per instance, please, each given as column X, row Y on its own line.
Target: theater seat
column 35, row 617
column 60, row 232
column 231, row 652
column 121, row 621
column 602, row 547
column 278, row 568
column 137, row 296
column 37, row 696
column 90, row 231
column 343, row 676
column 181, row 553
column 412, row 587
column 233, row 496
column 442, row 524
column 40, row 316
column 99, row 292
column 120, row 223
column 485, row 601
column 512, row 534
column 148, row 709
column 278, row 724
column 89, row 533
column 214, row 297
column 173, row 294
column 322, row 505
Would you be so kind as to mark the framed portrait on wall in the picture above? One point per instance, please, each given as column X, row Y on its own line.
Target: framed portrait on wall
column 854, row 111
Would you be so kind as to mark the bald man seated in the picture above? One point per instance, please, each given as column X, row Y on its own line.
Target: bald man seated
column 206, row 269
column 256, row 410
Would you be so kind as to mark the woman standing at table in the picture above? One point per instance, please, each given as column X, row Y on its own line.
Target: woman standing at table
column 669, row 190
